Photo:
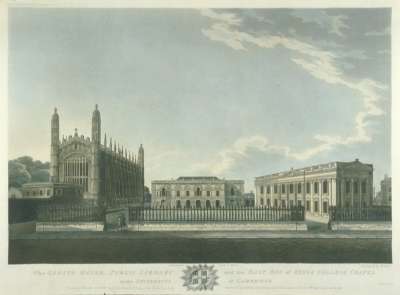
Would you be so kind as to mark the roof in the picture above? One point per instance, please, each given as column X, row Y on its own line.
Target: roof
column 312, row 168
column 197, row 178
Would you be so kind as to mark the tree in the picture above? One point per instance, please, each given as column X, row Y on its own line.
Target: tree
column 17, row 174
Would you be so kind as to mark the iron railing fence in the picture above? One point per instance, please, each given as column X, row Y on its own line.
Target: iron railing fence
column 69, row 213
column 79, row 213
column 377, row 213
column 210, row 215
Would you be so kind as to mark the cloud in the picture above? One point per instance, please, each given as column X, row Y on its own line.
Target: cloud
column 383, row 32
column 319, row 63
column 384, row 51
column 227, row 18
column 334, row 24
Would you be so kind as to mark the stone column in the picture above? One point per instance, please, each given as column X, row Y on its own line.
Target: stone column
column 321, row 181
column 352, row 192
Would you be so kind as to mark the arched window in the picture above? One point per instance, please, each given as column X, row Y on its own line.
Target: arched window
column 325, row 187
column 208, row 193
column 268, row 203
column 163, row 192
column 187, row 193
column 299, row 188
column 162, row 203
column 208, row 204
column 187, row 204
column 178, row 204
column 198, row 192
column 262, row 202
column 316, row 187
column 217, row 204
column 283, row 204
column 232, row 192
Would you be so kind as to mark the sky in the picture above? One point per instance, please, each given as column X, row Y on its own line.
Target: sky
column 233, row 93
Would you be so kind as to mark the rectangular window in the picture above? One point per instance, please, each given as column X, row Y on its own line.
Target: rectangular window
column 208, row 193
column 275, row 188
column 268, row 189
column 262, row 190
column 217, row 193
column 355, row 187
column 325, row 187
column 299, row 188
column 325, row 207
column 316, row 187
column 316, row 209
column 283, row 204
column 364, row 187
column 291, row 203
column 178, row 193
column 291, row 188
column 299, row 203
column 308, row 187
column 187, row 193
column 347, row 187
column 308, row 206
column 283, row 188
column 275, row 203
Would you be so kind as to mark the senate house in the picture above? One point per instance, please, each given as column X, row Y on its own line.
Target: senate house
column 341, row 184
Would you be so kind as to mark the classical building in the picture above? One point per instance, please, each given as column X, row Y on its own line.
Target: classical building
column 103, row 173
column 199, row 192
column 342, row 184
column 147, row 198
column 248, row 199
column 384, row 196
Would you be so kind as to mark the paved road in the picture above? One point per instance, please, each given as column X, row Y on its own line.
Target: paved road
column 313, row 234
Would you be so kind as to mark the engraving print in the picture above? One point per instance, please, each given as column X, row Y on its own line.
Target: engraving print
column 199, row 136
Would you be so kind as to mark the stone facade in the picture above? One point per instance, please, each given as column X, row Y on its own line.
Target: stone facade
column 51, row 190
column 198, row 192
column 106, row 172
column 384, row 196
column 342, row 184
